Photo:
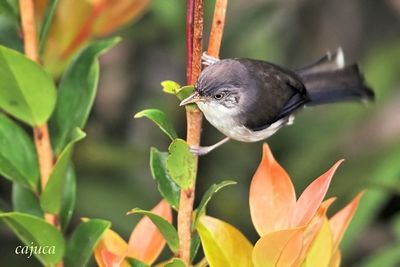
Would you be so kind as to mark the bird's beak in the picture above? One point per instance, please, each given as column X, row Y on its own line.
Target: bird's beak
column 193, row 98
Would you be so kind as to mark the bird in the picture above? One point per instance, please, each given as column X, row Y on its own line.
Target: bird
column 249, row 100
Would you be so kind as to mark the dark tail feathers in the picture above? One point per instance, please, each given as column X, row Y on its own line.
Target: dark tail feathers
column 329, row 80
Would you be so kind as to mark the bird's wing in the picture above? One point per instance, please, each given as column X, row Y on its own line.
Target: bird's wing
column 277, row 92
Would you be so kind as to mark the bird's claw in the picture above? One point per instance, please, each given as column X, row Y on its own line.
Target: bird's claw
column 208, row 60
column 199, row 150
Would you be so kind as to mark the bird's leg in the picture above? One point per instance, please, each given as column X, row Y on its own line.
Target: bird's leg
column 202, row 150
column 208, row 60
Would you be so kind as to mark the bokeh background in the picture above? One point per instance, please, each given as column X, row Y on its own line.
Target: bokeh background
column 113, row 161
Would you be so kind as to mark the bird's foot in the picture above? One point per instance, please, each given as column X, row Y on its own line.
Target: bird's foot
column 208, row 60
column 200, row 150
column 203, row 150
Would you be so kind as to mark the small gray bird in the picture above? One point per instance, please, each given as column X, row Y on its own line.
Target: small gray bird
column 249, row 100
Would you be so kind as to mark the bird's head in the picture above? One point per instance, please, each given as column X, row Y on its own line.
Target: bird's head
column 220, row 88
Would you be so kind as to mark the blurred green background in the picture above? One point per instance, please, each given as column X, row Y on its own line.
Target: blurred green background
column 113, row 161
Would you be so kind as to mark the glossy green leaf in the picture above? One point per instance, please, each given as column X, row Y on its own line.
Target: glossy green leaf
column 223, row 244
column 170, row 87
column 69, row 198
column 76, row 94
column 167, row 187
column 159, row 118
column 25, row 201
column 167, row 230
column 201, row 209
column 52, row 196
column 175, row 263
column 181, row 163
column 18, row 160
column 136, row 263
column 83, row 241
column 27, row 92
column 34, row 231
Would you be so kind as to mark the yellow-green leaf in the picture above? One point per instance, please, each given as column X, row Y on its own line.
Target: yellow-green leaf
column 320, row 252
column 159, row 118
column 280, row 248
column 223, row 244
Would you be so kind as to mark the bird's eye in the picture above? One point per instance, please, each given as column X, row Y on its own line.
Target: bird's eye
column 218, row 96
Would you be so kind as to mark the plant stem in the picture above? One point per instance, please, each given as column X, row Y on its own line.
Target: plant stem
column 40, row 132
column 194, row 31
column 194, row 37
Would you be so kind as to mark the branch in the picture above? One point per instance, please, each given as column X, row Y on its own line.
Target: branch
column 194, row 31
column 41, row 132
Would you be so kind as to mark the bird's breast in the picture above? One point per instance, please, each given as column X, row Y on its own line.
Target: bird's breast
column 227, row 122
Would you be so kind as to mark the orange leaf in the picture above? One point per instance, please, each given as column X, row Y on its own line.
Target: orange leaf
column 146, row 242
column 110, row 259
column 118, row 13
column 109, row 248
column 340, row 221
column 272, row 197
column 279, row 248
column 311, row 198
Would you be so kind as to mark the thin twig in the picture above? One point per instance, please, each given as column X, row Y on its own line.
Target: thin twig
column 40, row 132
column 194, row 30
column 217, row 28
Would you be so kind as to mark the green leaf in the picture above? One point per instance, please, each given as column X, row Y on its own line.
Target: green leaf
column 47, row 20
column 18, row 160
column 170, row 87
column 167, row 187
column 201, row 209
column 25, row 201
column 52, row 196
column 175, row 263
column 9, row 8
column 167, row 230
column 76, row 94
column 194, row 246
column 34, row 231
column 159, row 118
column 185, row 92
column 26, row 91
column 136, row 263
column 181, row 163
column 69, row 197
column 83, row 241
column 223, row 244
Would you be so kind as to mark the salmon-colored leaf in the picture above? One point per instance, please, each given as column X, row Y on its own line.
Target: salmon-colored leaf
column 146, row 242
column 340, row 221
column 110, row 259
column 223, row 244
column 278, row 249
column 109, row 248
column 312, row 197
column 272, row 197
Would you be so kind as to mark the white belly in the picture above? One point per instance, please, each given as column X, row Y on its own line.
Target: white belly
column 223, row 119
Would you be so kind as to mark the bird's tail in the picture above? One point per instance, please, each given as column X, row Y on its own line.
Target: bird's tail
column 329, row 80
